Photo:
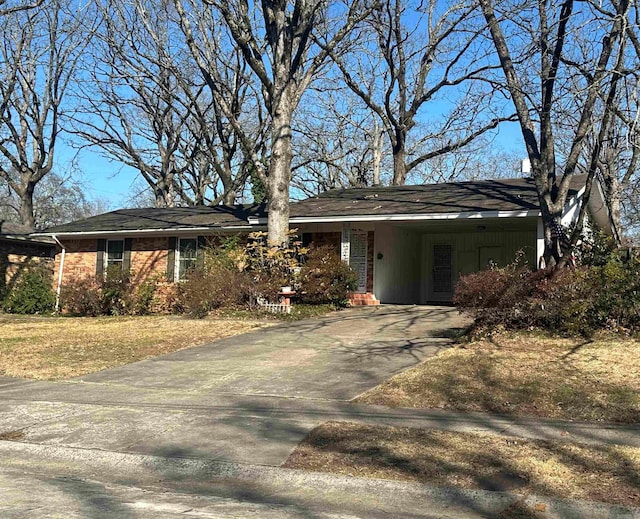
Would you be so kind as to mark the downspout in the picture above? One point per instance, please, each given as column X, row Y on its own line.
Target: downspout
column 60, row 271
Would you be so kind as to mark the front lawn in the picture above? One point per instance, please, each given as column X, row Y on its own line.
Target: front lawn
column 525, row 374
column 547, row 468
column 54, row 348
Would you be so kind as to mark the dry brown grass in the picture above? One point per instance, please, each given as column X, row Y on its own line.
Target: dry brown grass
column 525, row 375
column 608, row 473
column 55, row 348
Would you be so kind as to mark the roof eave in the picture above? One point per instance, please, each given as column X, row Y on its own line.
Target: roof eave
column 175, row 231
column 520, row 213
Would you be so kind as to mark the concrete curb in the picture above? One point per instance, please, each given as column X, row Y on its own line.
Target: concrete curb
column 427, row 498
column 319, row 411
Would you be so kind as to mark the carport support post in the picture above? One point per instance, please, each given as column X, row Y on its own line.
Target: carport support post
column 345, row 244
column 60, row 271
column 540, row 244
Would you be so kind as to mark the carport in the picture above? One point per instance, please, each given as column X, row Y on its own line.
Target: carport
column 419, row 262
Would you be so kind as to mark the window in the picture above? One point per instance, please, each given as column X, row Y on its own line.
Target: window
column 115, row 253
column 186, row 256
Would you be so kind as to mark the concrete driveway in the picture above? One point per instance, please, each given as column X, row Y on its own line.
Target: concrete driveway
column 336, row 357
column 247, row 399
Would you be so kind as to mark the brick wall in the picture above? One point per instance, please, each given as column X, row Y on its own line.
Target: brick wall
column 149, row 257
column 79, row 261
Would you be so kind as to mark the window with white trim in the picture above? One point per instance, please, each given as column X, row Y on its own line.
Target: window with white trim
column 114, row 253
column 186, row 256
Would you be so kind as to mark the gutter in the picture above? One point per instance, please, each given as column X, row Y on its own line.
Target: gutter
column 519, row 213
column 60, row 271
column 146, row 232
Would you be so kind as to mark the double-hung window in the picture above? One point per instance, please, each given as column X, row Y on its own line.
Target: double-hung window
column 186, row 257
column 114, row 253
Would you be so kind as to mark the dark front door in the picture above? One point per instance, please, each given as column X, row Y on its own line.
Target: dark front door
column 442, row 274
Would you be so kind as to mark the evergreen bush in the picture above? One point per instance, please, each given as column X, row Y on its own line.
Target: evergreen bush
column 32, row 292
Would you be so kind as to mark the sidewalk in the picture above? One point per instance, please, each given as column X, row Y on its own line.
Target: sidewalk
column 51, row 412
column 84, row 483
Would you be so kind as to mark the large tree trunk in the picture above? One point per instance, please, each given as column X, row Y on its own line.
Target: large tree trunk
column 280, row 173
column 164, row 193
column 613, row 193
column 226, row 177
column 376, row 151
column 399, row 151
column 27, row 217
column 399, row 166
column 229, row 197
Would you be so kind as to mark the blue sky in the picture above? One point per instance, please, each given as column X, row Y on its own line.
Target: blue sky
column 105, row 179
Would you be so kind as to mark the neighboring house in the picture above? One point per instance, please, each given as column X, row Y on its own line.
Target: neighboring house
column 18, row 249
column 408, row 244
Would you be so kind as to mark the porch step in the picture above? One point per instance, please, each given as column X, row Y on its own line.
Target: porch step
column 360, row 299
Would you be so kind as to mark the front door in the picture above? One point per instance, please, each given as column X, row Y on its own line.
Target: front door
column 358, row 258
column 442, row 273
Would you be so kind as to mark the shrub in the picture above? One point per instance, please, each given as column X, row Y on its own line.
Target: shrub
column 325, row 278
column 272, row 266
column 143, row 297
column 32, row 293
column 567, row 301
column 116, row 291
column 497, row 296
column 222, row 281
column 215, row 286
column 112, row 295
column 82, row 296
column 167, row 298
column 236, row 275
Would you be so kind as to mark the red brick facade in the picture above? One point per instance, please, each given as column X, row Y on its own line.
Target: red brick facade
column 79, row 259
column 150, row 255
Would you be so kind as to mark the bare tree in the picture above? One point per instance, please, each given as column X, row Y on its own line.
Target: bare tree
column 150, row 110
column 8, row 7
column 56, row 200
column 480, row 160
column 135, row 108
column 416, row 56
column 236, row 128
column 39, row 54
column 574, row 91
column 285, row 44
column 617, row 170
column 618, row 164
column 338, row 142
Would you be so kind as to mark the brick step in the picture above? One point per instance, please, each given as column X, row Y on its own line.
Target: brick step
column 361, row 295
column 364, row 302
column 363, row 299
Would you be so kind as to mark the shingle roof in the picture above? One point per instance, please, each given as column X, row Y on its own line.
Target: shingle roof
column 16, row 232
column 456, row 197
column 155, row 218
